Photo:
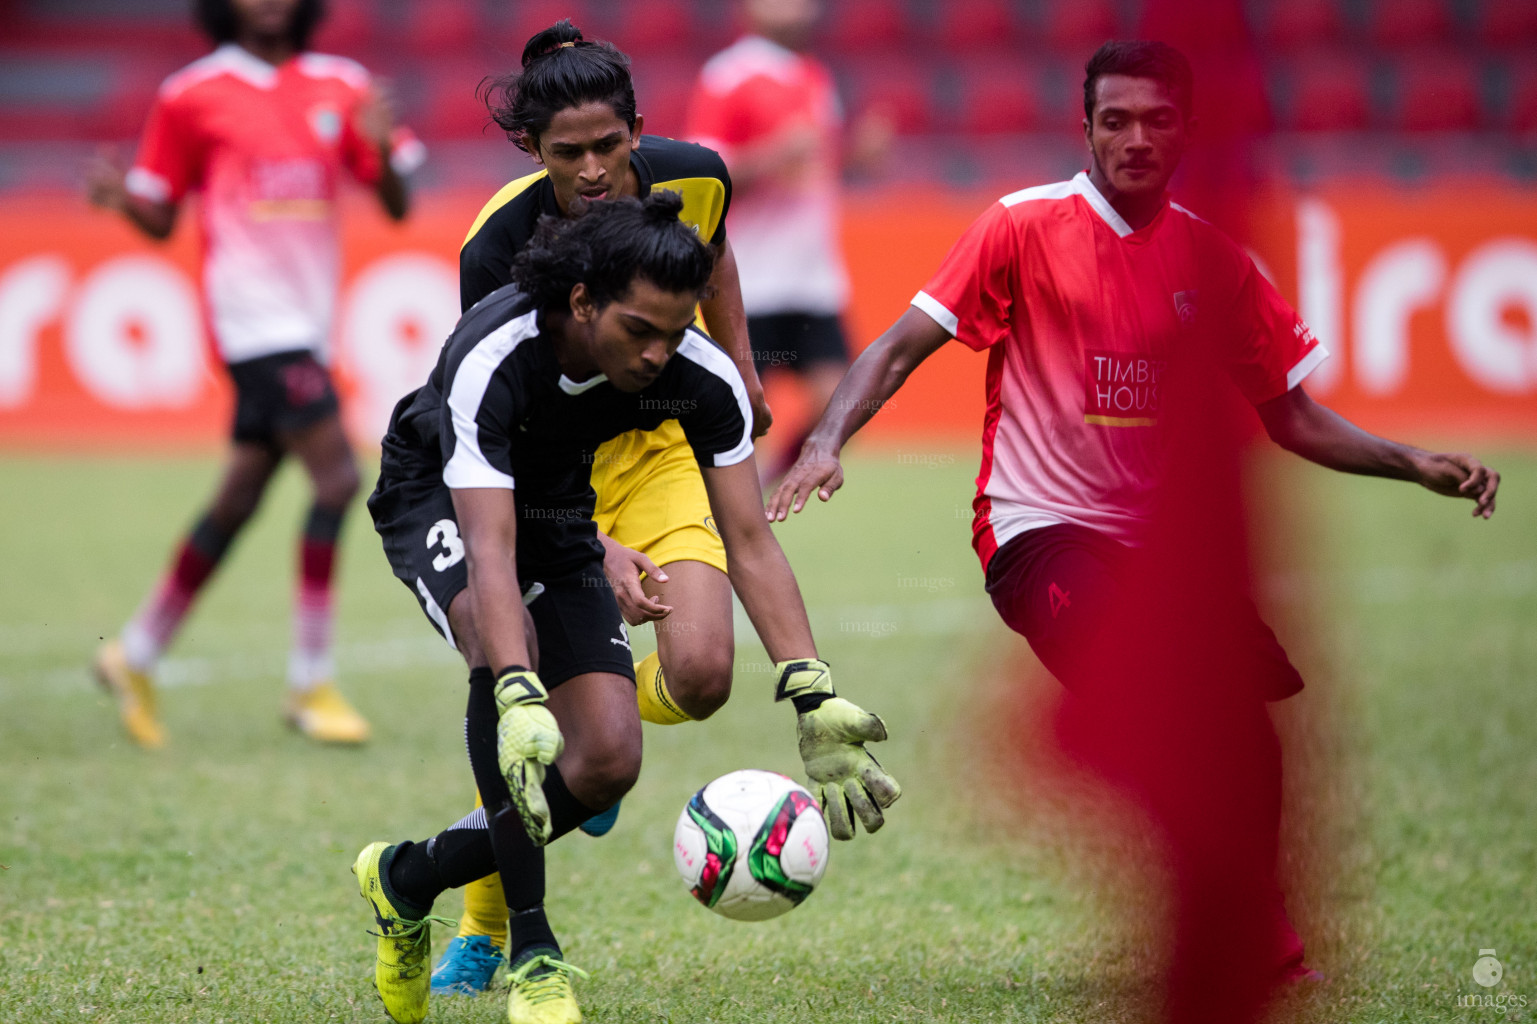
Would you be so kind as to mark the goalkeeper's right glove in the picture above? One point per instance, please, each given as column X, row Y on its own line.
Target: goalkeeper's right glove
column 527, row 739
column 846, row 779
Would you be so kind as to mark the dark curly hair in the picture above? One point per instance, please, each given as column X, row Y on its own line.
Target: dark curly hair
column 218, row 21
column 1140, row 59
column 606, row 244
column 560, row 70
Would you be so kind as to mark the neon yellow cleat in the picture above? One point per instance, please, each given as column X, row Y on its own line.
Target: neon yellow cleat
column 323, row 714
column 135, row 695
column 405, row 944
column 541, row 992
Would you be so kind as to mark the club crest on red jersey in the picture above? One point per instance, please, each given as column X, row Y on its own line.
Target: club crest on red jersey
column 1184, row 307
column 326, row 123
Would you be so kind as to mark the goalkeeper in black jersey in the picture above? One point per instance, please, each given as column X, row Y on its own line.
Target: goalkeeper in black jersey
column 485, row 506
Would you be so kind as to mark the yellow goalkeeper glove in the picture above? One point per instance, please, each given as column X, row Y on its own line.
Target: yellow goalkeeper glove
column 845, row 778
column 527, row 739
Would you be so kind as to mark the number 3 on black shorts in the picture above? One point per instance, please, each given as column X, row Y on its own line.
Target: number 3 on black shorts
column 445, row 532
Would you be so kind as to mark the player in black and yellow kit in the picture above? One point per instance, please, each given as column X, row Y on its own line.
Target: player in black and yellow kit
column 572, row 108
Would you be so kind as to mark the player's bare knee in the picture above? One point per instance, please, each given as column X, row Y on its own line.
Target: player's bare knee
column 699, row 681
column 606, row 771
column 337, row 486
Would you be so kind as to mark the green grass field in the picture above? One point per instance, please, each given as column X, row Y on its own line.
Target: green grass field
column 209, row 882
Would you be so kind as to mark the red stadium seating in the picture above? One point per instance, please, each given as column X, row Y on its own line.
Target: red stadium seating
column 972, row 25
column 1522, row 116
column 440, row 27
column 1001, row 99
column 652, row 25
column 1397, row 23
column 899, row 91
column 662, row 99
column 1507, row 23
column 858, row 25
column 1331, row 93
column 1079, row 26
column 1289, row 24
column 1438, row 93
column 349, row 26
column 529, row 16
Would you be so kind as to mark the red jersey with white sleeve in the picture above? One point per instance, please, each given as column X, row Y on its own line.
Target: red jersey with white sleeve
column 1080, row 314
column 266, row 147
column 784, row 225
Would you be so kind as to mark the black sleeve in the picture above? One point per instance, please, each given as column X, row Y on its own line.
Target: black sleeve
column 718, row 170
column 716, row 417
column 483, row 268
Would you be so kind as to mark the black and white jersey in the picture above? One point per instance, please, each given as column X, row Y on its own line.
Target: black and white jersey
column 498, row 412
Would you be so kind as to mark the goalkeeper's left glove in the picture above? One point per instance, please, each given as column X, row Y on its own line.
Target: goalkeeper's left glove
column 845, row 778
column 527, row 739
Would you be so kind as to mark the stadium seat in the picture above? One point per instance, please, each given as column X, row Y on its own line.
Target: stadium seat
column 1438, row 93
column 860, row 25
column 969, row 26
column 448, row 107
column 1078, row 27
column 349, row 26
column 1329, row 93
column 649, row 26
column 895, row 88
column 1401, row 23
column 529, row 16
column 1291, row 24
column 1521, row 115
column 662, row 91
column 440, row 27
column 1507, row 23
column 1001, row 99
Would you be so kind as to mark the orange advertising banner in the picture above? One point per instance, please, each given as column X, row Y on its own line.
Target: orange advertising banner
column 1427, row 300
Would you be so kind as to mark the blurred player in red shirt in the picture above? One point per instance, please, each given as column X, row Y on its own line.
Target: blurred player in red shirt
column 773, row 113
column 1084, row 293
column 264, row 130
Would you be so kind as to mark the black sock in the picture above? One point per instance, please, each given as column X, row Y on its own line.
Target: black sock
column 323, row 525
column 404, row 883
column 566, row 811
column 209, row 539
column 528, row 931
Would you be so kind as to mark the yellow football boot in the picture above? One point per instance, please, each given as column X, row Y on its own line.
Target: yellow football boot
column 135, row 695
column 323, row 714
column 541, row 992
column 405, row 944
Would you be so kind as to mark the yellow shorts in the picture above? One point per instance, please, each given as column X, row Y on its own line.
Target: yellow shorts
column 651, row 497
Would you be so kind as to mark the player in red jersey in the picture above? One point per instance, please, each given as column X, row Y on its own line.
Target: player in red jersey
column 1081, row 293
column 264, row 130
column 773, row 112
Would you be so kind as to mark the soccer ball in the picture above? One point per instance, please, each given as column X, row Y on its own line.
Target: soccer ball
column 751, row 845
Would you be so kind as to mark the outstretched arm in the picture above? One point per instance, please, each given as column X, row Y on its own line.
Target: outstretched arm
column 1319, row 434
column 875, row 376
column 376, row 123
column 847, row 781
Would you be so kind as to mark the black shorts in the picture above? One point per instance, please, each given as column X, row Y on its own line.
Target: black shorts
column 577, row 624
column 796, row 341
column 279, row 394
column 1057, row 586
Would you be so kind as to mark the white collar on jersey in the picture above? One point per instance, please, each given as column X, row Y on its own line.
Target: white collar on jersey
column 244, row 64
column 572, row 387
column 1100, row 204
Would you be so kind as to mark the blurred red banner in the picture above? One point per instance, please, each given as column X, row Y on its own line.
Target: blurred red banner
column 1426, row 298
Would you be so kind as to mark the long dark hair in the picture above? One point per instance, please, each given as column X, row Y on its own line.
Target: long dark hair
column 218, row 21
column 560, row 70
column 606, row 245
column 1140, row 59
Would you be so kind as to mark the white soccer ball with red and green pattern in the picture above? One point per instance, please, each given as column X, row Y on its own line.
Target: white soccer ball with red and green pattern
column 751, row 845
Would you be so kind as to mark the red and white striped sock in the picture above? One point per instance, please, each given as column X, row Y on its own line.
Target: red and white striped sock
column 154, row 625
column 310, row 662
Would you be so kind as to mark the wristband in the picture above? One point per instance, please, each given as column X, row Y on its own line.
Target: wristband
column 805, row 682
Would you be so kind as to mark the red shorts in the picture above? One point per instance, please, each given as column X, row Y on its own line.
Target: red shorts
column 1059, row 586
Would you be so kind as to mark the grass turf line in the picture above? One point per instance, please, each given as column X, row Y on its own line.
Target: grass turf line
column 209, row 882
